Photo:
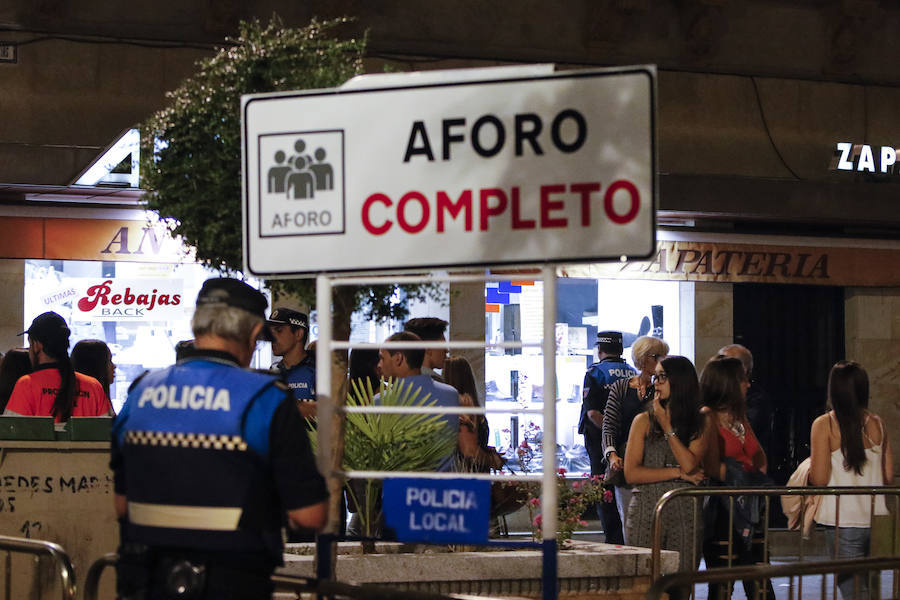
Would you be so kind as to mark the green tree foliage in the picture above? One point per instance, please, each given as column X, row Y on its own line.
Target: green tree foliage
column 191, row 149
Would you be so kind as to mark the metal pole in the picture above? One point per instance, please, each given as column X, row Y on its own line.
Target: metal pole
column 325, row 412
column 549, row 499
column 324, row 401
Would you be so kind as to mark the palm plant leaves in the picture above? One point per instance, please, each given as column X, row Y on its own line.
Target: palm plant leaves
column 394, row 442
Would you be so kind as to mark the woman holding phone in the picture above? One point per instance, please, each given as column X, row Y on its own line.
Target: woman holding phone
column 663, row 453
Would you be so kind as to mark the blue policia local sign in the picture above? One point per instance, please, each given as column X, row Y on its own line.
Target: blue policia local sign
column 451, row 511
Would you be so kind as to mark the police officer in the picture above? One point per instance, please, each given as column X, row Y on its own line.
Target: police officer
column 597, row 380
column 289, row 331
column 207, row 456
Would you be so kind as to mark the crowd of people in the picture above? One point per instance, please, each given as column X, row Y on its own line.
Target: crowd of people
column 229, row 458
column 668, row 427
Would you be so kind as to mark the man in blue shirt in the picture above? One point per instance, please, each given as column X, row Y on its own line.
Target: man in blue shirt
column 407, row 365
column 430, row 329
column 289, row 330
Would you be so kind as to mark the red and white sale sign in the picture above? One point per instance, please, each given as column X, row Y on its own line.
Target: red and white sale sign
column 507, row 169
column 117, row 299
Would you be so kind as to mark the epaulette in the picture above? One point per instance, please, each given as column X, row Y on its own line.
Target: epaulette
column 272, row 372
column 136, row 381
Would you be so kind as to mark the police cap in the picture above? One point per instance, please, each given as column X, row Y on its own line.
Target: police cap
column 233, row 292
column 610, row 342
column 288, row 316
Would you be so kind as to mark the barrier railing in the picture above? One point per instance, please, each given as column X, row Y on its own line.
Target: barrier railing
column 698, row 493
column 92, row 579
column 763, row 572
column 328, row 406
column 38, row 547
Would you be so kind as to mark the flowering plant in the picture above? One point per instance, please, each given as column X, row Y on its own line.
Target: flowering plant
column 574, row 498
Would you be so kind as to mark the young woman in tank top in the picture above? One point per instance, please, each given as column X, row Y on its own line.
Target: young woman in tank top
column 849, row 447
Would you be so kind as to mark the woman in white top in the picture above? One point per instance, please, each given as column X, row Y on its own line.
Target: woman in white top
column 849, row 447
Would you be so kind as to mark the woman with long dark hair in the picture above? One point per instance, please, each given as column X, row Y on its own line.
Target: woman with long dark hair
column 473, row 450
column 14, row 364
column 363, row 369
column 54, row 388
column 663, row 452
column 94, row 358
column 735, row 458
column 849, row 447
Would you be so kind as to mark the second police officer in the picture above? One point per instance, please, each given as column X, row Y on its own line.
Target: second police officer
column 597, row 380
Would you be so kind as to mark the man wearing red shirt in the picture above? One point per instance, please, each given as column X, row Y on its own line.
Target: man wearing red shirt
column 54, row 388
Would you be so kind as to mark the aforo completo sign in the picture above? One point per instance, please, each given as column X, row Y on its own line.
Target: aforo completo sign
column 134, row 299
column 552, row 167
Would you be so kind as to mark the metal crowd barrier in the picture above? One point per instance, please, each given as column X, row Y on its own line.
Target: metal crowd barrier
column 764, row 572
column 698, row 493
column 37, row 548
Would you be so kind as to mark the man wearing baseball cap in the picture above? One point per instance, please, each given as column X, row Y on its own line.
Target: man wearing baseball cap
column 207, row 456
column 54, row 388
column 597, row 381
column 289, row 331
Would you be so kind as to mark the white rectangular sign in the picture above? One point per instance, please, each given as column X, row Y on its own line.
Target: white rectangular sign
column 557, row 167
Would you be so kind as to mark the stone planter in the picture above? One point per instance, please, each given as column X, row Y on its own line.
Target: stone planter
column 587, row 570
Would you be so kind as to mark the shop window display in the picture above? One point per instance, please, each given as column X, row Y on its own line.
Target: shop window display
column 514, row 378
column 141, row 310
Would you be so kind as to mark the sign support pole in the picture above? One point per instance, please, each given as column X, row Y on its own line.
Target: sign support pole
column 325, row 540
column 549, row 496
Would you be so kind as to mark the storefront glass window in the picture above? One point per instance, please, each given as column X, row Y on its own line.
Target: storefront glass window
column 514, row 378
column 141, row 310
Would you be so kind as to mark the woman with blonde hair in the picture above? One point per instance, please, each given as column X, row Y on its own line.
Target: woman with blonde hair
column 627, row 398
column 849, row 446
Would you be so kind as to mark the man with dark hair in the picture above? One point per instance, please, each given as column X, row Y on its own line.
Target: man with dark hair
column 597, row 380
column 206, row 457
column 289, row 330
column 430, row 329
column 53, row 388
column 406, row 364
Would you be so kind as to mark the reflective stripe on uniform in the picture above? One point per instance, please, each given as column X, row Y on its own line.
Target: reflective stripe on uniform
column 184, row 517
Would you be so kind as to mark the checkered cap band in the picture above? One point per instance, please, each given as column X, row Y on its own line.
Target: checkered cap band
column 186, row 440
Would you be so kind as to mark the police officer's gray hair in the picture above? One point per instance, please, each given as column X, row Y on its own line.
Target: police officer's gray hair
column 224, row 321
column 646, row 346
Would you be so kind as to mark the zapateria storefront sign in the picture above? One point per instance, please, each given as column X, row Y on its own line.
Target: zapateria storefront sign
column 752, row 263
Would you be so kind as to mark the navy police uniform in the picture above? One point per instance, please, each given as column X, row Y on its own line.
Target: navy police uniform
column 597, row 381
column 301, row 378
column 209, row 457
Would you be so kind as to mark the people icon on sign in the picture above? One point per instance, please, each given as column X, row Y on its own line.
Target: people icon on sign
column 278, row 174
column 322, row 171
column 298, row 177
column 301, row 183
